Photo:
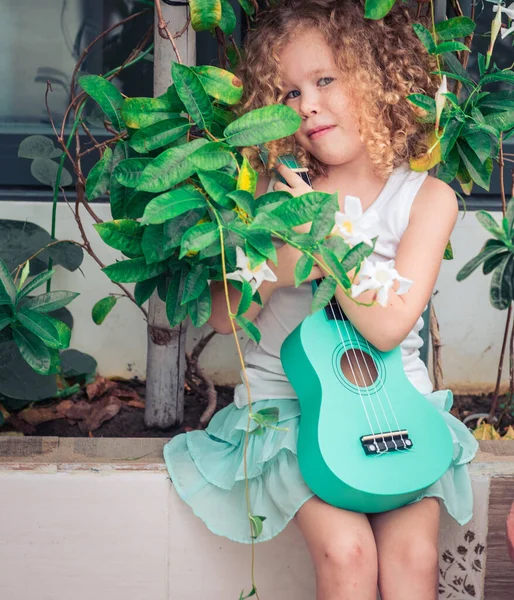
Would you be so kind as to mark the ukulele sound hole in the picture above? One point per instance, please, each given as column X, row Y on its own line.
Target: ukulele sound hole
column 359, row 368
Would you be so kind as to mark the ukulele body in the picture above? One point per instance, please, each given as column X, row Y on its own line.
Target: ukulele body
column 335, row 452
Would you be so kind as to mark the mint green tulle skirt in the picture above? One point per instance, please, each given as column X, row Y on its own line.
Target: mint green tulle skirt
column 207, row 470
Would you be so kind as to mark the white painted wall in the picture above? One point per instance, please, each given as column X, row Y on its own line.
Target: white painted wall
column 471, row 329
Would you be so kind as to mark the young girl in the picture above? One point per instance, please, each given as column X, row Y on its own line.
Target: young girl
column 348, row 78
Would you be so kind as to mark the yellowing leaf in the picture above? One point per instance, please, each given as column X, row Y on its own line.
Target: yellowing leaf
column 509, row 435
column 247, row 179
column 431, row 158
column 485, row 431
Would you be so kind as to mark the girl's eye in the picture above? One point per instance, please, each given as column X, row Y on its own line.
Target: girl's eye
column 289, row 95
column 324, row 81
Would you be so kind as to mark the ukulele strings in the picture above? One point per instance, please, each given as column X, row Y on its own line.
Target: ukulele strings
column 284, row 159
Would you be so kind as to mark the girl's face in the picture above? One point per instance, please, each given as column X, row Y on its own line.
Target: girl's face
column 314, row 87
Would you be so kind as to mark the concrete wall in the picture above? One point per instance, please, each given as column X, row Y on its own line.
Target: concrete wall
column 471, row 329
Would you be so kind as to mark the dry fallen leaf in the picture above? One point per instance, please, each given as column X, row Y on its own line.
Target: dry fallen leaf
column 99, row 387
column 485, row 431
column 36, row 415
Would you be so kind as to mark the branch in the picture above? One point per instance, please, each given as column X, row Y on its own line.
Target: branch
column 164, row 32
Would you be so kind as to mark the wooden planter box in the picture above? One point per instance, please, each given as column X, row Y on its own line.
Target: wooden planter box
column 87, row 518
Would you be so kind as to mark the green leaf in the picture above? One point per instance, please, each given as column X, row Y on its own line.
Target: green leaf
column 249, row 328
column 7, row 287
column 480, row 172
column 46, row 170
column 102, row 308
column 456, row 68
column 502, row 100
column 455, row 28
column 107, row 96
column 129, row 171
column 253, row 591
column 35, row 283
column 448, row 251
column 99, row 177
column 501, row 121
column 200, row 309
column 169, row 168
column 195, row 283
column 451, row 133
column 510, row 215
column 131, row 271
column 175, row 228
column 447, row 170
column 335, row 266
column 247, row 6
column 192, row 94
column 211, row 157
column 256, row 525
column 483, row 255
column 159, row 134
column 493, row 261
column 75, row 363
column 123, row 234
column 302, row 269
column 205, row 14
column 506, row 76
column 356, row 255
column 228, row 20
column 154, row 245
column 246, row 298
column 118, row 194
column 424, row 35
column 323, row 294
column 5, row 318
column 25, row 272
column 244, row 201
column 501, row 284
column 220, row 84
column 42, row 326
column 38, row 146
column 222, row 116
column 425, row 102
column 172, row 204
column 143, row 112
column 144, row 289
column 450, row 47
column 489, row 223
column 481, row 143
column 301, row 209
column 175, row 311
column 262, row 125
column 377, row 9
column 324, row 220
column 218, row 185
column 33, row 350
column 45, row 303
column 198, row 237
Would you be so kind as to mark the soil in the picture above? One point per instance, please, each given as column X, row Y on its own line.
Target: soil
column 129, row 420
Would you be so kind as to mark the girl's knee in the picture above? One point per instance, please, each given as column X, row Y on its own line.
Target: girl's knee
column 347, row 553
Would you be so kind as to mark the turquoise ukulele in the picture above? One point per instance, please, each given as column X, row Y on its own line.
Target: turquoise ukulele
column 368, row 440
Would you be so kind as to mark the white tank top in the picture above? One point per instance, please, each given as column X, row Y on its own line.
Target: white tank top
column 287, row 307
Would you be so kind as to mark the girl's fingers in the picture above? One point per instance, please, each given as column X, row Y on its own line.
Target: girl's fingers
column 281, row 187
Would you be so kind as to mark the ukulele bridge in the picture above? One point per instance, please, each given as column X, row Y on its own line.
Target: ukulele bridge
column 376, row 443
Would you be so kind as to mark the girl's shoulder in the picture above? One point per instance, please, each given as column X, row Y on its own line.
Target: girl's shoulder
column 435, row 196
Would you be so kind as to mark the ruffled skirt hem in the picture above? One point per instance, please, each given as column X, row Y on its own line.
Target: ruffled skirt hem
column 207, row 470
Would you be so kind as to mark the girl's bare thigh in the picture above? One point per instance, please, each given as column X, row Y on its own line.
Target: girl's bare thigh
column 343, row 551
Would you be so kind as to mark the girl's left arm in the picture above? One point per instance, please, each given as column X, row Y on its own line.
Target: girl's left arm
column 420, row 253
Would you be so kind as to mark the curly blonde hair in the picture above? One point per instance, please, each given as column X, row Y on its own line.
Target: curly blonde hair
column 383, row 62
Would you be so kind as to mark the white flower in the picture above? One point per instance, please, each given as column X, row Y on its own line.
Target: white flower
column 353, row 225
column 380, row 276
column 495, row 30
column 254, row 276
column 440, row 100
column 506, row 10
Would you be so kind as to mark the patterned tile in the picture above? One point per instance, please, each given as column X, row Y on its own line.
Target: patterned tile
column 462, row 560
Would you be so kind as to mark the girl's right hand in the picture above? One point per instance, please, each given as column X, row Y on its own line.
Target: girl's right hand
column 287, row 258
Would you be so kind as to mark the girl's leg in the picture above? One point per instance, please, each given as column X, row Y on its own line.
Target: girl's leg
column 408, row 555
column 343, row 551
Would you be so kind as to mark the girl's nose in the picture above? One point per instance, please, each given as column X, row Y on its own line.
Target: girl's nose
column 308, row 106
